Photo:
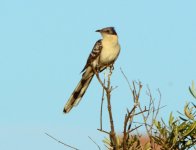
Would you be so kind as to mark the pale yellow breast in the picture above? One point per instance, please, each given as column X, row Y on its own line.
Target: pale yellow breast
column 110, row 51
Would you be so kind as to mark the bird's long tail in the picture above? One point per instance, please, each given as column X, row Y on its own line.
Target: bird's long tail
column 78, row 93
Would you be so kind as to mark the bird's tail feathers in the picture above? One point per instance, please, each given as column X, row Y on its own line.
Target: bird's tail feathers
column 77, row 94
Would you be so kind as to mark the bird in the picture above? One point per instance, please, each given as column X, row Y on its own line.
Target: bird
column 104, row 54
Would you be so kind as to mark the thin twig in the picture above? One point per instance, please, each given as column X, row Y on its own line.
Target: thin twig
column 61, row 142
column 94, row 142
column 160, row 108
column 145, row 110
column 113, row 88
column 144, row 124
column 129, row 131
column 101, row 110
column 97, row 75
column 126, row 79
column 103, row 131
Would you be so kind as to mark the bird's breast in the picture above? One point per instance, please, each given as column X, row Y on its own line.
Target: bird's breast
column 109, row 54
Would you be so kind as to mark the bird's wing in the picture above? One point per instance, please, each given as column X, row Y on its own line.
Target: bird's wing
column 94, row 54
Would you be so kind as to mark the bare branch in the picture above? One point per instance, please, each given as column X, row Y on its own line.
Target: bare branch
column 130, row 114
column 108, row 90
column 103, row 131
column 133, row 129
column 126, row 79
column 97, row 75
column 94, row 142
column 61, row 142
column 101, row 110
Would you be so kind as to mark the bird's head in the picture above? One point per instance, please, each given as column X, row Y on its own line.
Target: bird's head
column 107, row 32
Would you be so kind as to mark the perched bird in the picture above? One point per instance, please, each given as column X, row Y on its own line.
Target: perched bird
column 103, row 55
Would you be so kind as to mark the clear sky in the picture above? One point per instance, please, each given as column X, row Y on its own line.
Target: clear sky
column 44, row 45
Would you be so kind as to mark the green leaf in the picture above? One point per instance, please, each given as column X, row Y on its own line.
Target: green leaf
column 171, row 119
column 190, row 129
column 187, row 112
column 158, row 125
column 183, row 119
column 192, row 89
column 106, row 141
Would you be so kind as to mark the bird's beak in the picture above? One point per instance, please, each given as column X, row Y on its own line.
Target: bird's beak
column 98, row 31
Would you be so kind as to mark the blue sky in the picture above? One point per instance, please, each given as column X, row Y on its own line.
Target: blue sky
column 44, row 46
